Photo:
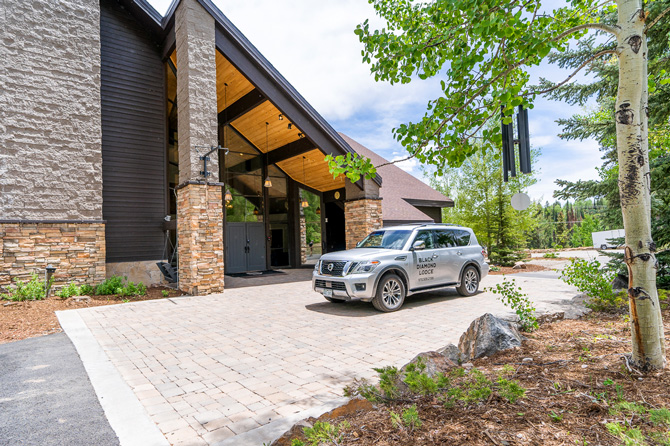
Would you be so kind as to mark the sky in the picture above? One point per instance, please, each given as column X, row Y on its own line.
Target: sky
column 316, row 50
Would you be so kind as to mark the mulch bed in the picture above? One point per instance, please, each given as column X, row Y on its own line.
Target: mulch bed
column 21, row 320
column 571, row 386
column 510, row 270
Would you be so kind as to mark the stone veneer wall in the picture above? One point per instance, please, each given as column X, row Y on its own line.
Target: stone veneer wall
column 360, row 218
column 77, row 250
column 200, row 229
column 50, row 126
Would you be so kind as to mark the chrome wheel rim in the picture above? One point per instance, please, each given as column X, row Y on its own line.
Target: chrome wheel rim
column 392, row 294
column 471, row 281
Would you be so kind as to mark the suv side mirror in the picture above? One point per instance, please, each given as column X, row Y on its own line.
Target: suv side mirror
column 419, row 245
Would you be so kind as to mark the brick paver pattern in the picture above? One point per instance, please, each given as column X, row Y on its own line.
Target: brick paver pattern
column 208, row 368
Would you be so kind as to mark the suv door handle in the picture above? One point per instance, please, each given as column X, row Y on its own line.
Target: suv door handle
column 459, row 253
column 435, row 256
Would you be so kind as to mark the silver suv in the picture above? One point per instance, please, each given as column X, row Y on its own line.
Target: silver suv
column 395, row 262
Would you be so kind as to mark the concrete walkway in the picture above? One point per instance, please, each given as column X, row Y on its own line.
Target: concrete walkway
column 238, row 367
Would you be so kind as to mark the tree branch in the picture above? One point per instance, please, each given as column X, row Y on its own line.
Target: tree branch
column 660, row 16
column 595, row 56
column 598, row 26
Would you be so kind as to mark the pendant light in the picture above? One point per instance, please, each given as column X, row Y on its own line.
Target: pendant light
column 268, row 182
column 318, row 210
column 228, row 196
column 304, row 203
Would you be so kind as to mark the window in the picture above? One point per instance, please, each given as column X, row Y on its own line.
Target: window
column 445, row 238
column 425, row 236
column 385, row 239
column 462, row 238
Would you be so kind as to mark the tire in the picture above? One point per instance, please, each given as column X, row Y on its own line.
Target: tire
column 469, row 281
column 390, row 294
column 334, row 301
column 603, row 247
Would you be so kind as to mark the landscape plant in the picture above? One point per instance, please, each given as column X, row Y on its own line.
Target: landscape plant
column 34, row 289
column 590, row 278
column 512, row 296
column 483, row 52
column 121, row 286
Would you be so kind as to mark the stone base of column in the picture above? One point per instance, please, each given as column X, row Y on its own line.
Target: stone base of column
column 360, row 218
column 77, row 250
column 200, row 236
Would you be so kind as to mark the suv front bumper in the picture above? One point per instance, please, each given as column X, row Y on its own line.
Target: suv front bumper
column 350, row 287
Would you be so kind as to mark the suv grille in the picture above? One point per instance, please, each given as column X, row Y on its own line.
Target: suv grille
column 336, row 270
column 340, row 286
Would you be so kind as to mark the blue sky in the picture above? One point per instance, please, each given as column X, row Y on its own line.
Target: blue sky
column 318, row 53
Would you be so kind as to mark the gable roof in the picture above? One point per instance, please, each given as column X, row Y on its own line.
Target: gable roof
column 251, row 63
column 402, row 192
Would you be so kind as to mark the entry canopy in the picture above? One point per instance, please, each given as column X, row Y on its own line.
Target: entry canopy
column 257, row 103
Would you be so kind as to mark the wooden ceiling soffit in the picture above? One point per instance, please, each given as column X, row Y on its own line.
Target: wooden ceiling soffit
column 241, row 107
column 315, row 173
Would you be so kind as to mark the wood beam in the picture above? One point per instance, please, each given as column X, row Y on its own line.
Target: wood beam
column 290, row 150
column 242, row 106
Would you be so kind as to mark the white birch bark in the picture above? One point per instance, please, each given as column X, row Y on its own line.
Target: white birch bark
column 632, row 147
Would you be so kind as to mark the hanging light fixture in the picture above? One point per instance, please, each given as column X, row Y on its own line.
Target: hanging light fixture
column 268, row 182
column 228, row 196
column 290, row 126
column 304, row 203
column 256, row 211
column 281, row 117
column 318, row 210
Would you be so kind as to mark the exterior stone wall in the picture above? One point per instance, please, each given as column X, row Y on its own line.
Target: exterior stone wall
column 361, row 217
column 141, row 271
column 77, row 250
column 50, row 126
column 200, row 229
column 196, row 89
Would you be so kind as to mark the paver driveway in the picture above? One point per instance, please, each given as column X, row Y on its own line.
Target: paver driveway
column 208, row 368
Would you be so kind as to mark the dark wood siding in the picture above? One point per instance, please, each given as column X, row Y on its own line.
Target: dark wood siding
column 133, row 137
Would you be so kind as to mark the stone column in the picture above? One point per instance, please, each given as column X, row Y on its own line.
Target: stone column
column 199, row 204
column 361, row 217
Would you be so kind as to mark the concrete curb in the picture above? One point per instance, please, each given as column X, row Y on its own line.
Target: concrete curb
column 123, row 410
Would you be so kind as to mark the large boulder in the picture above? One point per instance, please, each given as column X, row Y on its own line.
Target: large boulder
column 435, row 363
column 487, row 335
column 452, row 353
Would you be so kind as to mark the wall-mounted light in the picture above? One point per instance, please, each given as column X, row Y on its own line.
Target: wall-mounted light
column 281, row 117
column 267, row 183
column 228, row 196
column 290, row 126
column 301, row 135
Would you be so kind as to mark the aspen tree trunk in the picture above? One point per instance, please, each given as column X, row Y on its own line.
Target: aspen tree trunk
column 634, row 187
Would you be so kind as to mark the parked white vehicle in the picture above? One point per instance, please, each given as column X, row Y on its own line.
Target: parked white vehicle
column 602, row 239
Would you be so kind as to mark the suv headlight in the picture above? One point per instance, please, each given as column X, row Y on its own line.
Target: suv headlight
column 364, row 267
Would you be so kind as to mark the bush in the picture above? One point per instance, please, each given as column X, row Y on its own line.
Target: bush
column 33, row 290
column 120, row 285
column 68, row 291
column 596, row 282
column 511, row 295
column 505, row 256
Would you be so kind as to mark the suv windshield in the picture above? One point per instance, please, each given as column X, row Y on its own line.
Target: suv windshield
column 385, row 239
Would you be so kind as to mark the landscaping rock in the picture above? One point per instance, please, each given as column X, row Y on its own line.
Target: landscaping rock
column 435, row 363
column 452, row 353
column 488, row 335
column 81, row 298
column 620, row 282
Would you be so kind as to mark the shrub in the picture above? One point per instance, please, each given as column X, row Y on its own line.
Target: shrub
column 596, row 282
column 68, row 291
column 505, row 256
column 86, row 290
column 33, row 290
column 511, row 295
column 118, row 285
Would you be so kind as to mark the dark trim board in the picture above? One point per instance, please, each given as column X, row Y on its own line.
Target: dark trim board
column 241, row 107
column 50, row 222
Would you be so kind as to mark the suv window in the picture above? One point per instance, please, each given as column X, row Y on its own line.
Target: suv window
column 385, row 239
column 426, row 237
column 462, row 237
column 444, row 238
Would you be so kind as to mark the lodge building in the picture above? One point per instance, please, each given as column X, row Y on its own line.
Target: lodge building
column 126, row 136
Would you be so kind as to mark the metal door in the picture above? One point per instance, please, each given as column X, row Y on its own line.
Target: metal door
column 245, row 247
column 255, row 246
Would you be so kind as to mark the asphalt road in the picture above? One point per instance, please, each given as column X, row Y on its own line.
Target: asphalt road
column 46, row 397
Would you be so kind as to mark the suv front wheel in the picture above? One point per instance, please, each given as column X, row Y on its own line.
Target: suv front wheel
column 390, row 294
column 469, row 281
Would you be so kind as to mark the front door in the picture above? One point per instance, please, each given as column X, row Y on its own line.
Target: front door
column 245, row 247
